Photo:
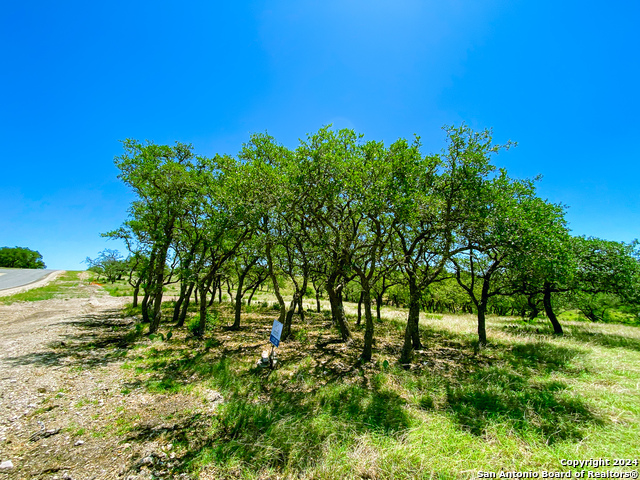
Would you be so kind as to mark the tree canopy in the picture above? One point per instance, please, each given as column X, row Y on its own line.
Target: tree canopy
column 357, row 217
column 20, row 257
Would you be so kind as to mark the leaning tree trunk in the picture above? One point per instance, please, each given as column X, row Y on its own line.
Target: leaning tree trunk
column 253, row 291
column 136, row 291
column 337, row 312
column 546, row 301
column 145, row 306
column 181, row 298
column 185, row 305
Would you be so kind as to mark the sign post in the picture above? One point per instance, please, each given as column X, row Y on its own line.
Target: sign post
column 274, row 338
column 276, row 331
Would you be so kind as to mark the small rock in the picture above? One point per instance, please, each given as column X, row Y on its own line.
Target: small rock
column 148, row 460
column 32, row 405
column 78, row 443
column 7, row 465
column 42, row 390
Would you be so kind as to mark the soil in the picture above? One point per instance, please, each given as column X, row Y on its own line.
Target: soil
column 64, row 395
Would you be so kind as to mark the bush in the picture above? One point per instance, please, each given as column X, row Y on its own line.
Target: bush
column 212, row 321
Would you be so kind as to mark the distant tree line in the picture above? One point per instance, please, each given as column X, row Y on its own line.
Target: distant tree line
column 363, row 221
column 20, row 257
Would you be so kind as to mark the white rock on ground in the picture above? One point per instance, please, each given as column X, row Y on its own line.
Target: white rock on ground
column 6, row 465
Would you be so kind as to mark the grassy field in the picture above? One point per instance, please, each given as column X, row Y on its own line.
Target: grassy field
column 524, row 403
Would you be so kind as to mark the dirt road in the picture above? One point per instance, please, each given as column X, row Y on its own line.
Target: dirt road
column 61, row 392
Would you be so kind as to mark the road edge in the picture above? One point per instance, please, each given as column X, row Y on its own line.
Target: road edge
column 38, row 283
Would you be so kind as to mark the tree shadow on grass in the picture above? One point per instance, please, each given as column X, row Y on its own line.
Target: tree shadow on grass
column 506, row 384
column 277, row 427
column 285, row 418
column 273, row 418
column 501, row 396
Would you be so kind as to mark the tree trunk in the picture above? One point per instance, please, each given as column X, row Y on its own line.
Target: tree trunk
column 360, row 308
column 301, row 310
column 136, row 291
column 253, row 291
column 482, row 329
column 158, row 283
column 176, row 308
column 185, row 305
column 412, row 331
column 236, row 321
column 368, row 332
column 337, row 313
column 482, row 310
column 229, row 288
column 145, row 307
column 276, row 287
column 317, row 301
column 378, row 306
column 546, row 301
column 288, row 320
column 202, row 290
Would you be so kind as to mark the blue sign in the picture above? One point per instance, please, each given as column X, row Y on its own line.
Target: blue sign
column 276, row 331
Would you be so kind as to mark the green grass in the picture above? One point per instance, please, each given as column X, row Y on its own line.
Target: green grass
column 523, row 403
column 122, row 288
column 62, row 287
column 612, row 315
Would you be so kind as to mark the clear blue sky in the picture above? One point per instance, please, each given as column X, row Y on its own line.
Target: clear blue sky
column 560, row 78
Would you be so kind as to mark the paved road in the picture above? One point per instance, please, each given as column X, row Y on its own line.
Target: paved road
column 10, row 278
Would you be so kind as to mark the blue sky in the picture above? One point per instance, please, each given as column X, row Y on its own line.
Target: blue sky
column 560, row 78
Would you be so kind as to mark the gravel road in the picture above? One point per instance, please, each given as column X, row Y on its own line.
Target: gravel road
column 63, row 392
